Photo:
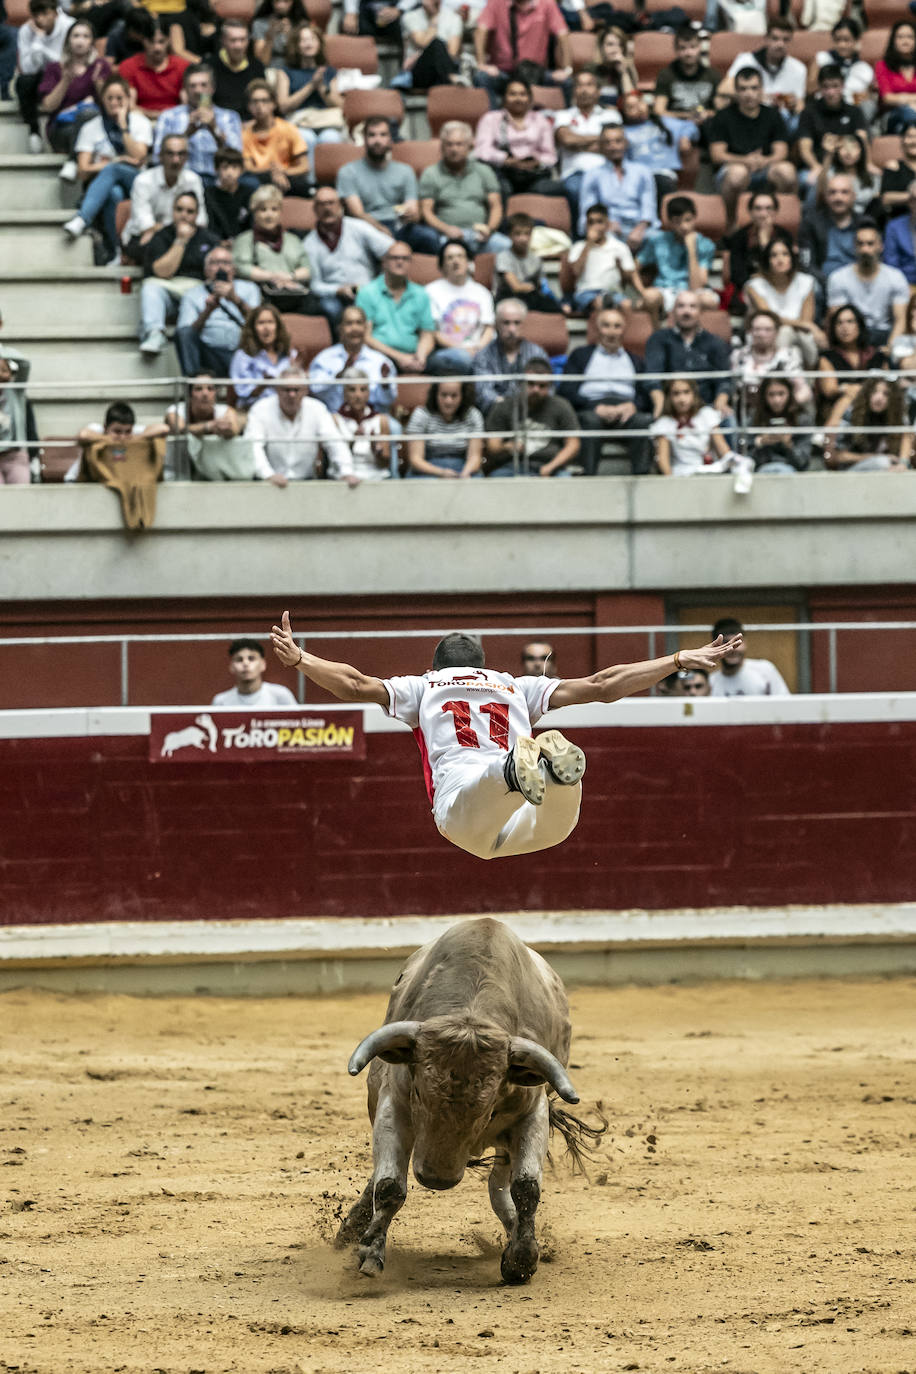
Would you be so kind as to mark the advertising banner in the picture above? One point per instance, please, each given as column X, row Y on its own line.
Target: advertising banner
column 255, row 736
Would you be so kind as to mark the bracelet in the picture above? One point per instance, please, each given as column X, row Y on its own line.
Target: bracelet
column 677, row 660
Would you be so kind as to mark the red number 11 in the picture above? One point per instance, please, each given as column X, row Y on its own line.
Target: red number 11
column 465, row 733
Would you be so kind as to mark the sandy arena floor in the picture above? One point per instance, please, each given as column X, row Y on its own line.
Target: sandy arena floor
column 174, row 1169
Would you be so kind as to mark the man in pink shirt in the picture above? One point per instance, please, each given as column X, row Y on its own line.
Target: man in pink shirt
column 520, row 31
column 518, row 144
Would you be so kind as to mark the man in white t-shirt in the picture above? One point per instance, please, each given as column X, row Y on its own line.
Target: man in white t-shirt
column 603, row 266
column 462, row 310
column 578, row 131
column 494, row 791
column 740, row 676
column 247, row 666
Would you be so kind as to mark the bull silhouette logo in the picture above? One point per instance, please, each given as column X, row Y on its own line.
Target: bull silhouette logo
column 201, row 735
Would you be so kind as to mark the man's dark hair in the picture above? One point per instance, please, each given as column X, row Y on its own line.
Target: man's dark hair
column 746, row 74
column 851, row 24
column 458, row 651
column 519, row 220
column 238, row 645
column 685, row 34
column 373, row 120
column 781, row 23
column 681, row 205
column 830, row 72
column 601, row 209
column 727, row 626
column 196, row 69
column 228, row 157
column 120, row 413
column 539, row 365
column 452, row 243
column 41, row 6
column 187, row 195
column 867, row 223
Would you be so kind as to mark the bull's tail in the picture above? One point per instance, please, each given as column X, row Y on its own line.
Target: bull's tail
column 582, row 1139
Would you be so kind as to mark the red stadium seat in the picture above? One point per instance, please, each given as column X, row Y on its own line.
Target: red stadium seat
column 881, row 14
column 547, row 330
column 308, row 334
column 56, row 461
column 551, row 210
column 343, row 51
column 710, row 214
column 694, row 9
column 548, row 98
column 17, row 12
column 319, row 13
column 359, row 106
column 412, row 394
column 418, row 153
column 725, row 47
column 236, row 9
column 652, row 52
column 635, row 335
column 466, row 103
column 330, row 157
column 424, row 268
column 873, row 45
column 583, row 50
column 483, row 269
column 806, row 45
column 788, row 216
column 297, row 215
column 887, row 148
column 717, row 322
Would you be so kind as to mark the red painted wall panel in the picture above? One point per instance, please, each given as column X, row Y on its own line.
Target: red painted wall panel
column 673, row 817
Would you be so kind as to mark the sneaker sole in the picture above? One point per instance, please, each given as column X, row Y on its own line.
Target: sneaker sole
column 565, row 761
column 527, row 760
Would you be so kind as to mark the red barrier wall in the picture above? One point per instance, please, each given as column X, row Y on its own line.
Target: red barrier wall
column 673, row 818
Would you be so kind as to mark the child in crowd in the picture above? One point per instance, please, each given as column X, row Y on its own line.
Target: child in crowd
column 226, row 200
column 375, row 457
column 520, row 273
column 688, row 439
column 603, row 268
column 777, row 409
column 682, row 257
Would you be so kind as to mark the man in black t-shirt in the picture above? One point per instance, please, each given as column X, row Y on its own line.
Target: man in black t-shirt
column 233, row 67
column 532, row 415
column 686, row 88
column 749, row 144
column 896, row 177
column 825, row 120
column 173, row 262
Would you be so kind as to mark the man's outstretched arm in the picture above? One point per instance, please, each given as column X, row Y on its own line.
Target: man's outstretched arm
column 342, row 681
column 610, row 684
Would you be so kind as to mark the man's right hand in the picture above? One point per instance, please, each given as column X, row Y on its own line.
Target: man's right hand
column 346, row 293
column 281, row 637
column 184, row 232
column 277, row 479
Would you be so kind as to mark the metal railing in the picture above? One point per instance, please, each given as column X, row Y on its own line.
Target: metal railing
column 668, row 636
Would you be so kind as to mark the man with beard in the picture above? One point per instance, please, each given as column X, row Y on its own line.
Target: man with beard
column 540, row 426
column 384, row 193
column 879, row 291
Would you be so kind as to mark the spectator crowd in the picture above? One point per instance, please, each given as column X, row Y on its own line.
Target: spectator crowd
column 302, row 258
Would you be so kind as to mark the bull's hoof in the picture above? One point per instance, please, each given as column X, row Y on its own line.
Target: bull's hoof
column 371, row 1266
column 519, row 1262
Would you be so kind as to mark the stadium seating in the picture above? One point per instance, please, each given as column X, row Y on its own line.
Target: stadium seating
column 550, row 210
column 17, row 12
column 652, row 52
column 583, row 50
column 881, row 14
column 412, row 394
column 359, row 106
column 319, row 13
column 873, row 45
column 884, row 149
column 297, row 215
column 417, row 153
column 467, row 103
column 424, row 268
column 725, row 47
column 549, row 331
column 484, row 269
column 308, row 334
column 343, row 51
column 56, row 461
column 694, row 9
column 548, row 98
column 807, row 44
column 330, row 157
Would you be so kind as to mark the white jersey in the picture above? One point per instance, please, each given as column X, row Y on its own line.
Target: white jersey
column 268, row 694
column 757, row 677
column 461, row 716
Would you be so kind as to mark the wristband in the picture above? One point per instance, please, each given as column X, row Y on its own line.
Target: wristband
column 677, row 660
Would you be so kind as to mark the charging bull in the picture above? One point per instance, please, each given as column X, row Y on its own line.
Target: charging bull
column 477, row 1032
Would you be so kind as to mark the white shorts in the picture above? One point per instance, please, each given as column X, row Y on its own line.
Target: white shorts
column 475, row 810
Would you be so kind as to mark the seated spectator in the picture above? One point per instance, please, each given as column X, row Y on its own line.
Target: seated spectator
column 898, row 175
column 509, row 352
column 904, row 345
column 880, row 292
column 209, row 429
column 234, row 67
column 694, row 683
column 306, row 88
column 433, row 33
column 577, row 132
column 275, row 258
column 850, row 159
column 687, row 433
column 611, row 399
column 826, row 119
column 264, row 352
column 615, row 69
column 749, row 144
column 212, row 315
column 173, row 264
column 895, row 77
column 14, row 420
column 460, row 197
column 287, row 431
column 119, row 426
column 352, row 352
column 40, row 40
column 603, row 268
column 520, row 273
column 384, row 193
column 535, row 428
column 247, row 666
column 899, row 249
column 866, row 441
column 848, row 350
column 155, row 75
column 226, row 200
column 507, row 36
column 784, row 78
column 462, row 313
column 658, row 142
column 858, row 77
column 517, row 142
column 69, row 91
column 125, row 37
column 208, row 129
column 194, row 32
column 539, row 660
column 742, row 255
column 399, row 313
column 272, row 28
column 366, row 430
column 780, row 450
column 372, row 19
column 740, row 676
column 153, row 194
column 780, row 287
column 345, row 253
column 687, row 87
column 687, row 347
column 439, row 442
column 626, row 188
column 827, row 235
column 760, row 356
column 273, row 149
column 110, row 150
column 682, row 259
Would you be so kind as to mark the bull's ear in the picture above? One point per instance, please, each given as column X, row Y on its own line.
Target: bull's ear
column 402, row 1055
column 525, row 1077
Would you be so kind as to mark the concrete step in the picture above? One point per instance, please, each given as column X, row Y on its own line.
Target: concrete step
column 30, row 182
column 14, row 136
column 62, row 361
column 64, row 416
column 36, row 300
column 37, row 237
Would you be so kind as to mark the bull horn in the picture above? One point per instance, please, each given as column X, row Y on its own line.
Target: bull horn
column 396, row 1035
column 528, row 1054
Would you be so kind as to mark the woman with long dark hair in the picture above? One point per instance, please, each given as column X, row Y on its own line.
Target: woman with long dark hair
column 895, row 77
column 867, row 442
column 848, row 350
column 777, row 411
column 780, row 287
column 306, row 89
column 438, row 433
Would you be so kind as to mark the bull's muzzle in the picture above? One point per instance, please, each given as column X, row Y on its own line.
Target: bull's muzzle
column 439, row 1185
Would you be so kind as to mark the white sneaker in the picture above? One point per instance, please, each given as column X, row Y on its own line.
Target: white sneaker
column 69, row 170
column 75, row 226
column 153, row 343
column 36, row 143
column 744, row 476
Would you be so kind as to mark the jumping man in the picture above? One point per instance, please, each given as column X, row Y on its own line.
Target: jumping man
column 494, row 790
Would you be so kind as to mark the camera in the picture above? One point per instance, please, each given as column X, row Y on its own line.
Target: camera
column 222, row 274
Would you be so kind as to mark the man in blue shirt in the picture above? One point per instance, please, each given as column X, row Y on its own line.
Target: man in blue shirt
column 682, row 257
column 399, row 313
column 626, row 188
column 899, row 245
column 211, row 316
column 688, row 348
column 207, row 127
